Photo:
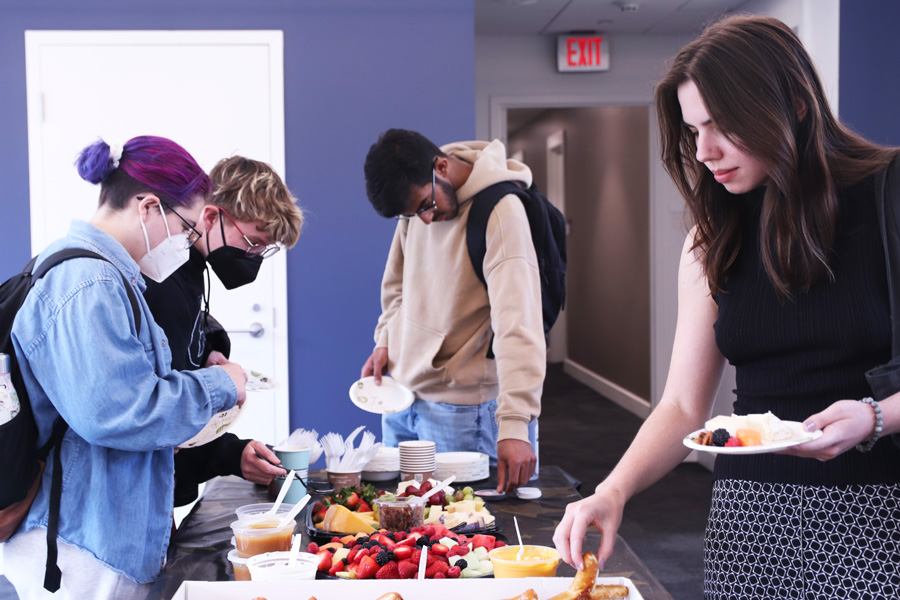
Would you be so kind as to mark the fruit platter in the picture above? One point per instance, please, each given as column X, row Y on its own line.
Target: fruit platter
column 396, row 555
column 354, row 510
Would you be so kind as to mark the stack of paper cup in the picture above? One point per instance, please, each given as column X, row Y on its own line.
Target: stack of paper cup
column 417, row 461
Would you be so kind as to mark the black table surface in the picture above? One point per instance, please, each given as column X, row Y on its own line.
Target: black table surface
column 199, row 550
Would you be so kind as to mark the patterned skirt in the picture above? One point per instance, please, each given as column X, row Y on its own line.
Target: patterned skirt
column 768, row 540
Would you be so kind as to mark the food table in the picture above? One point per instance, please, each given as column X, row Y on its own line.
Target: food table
column 201, row 545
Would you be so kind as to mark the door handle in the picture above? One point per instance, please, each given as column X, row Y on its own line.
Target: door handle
column 256, row 330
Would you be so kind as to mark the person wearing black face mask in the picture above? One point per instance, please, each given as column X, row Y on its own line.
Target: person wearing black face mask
column 249, row 216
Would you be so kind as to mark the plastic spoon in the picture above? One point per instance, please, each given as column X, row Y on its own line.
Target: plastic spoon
column 438, row 487
column 422, row 563
column 295, row 550
column 519, row 535
column 294, row 512
column 284, row 490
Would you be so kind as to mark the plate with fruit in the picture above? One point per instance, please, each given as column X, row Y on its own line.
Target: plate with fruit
column 748, row 434
column 396, row 555
column 353, row 510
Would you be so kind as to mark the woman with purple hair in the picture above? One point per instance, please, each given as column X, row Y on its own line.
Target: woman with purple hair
column 87, row 362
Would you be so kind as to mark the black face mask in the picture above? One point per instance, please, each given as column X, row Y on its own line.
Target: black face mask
column 233, row 267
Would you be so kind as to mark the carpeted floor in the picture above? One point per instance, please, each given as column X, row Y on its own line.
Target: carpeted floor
column 585, row 434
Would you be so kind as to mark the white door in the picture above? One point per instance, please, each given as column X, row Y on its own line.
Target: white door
column 556, row 194
column 217, row 93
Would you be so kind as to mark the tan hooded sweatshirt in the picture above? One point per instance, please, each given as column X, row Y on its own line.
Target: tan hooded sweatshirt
column 437, row 320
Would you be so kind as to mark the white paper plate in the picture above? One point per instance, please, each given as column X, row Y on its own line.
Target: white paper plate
column 389, row 397
column 219, row 424
column 763, row 449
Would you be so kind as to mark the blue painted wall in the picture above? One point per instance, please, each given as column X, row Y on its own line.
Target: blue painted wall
column 353, row 68
column 870, row 69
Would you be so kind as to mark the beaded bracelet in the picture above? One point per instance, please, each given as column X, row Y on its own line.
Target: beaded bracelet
column 870, row 443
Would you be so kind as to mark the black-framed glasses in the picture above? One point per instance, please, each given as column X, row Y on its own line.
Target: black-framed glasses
column 252, row 249
column 193, row 234
column 424, row 209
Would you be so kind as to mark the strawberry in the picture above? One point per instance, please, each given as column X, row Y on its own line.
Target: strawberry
column 388, row 571
column 440, row 549
column 324, row 560
column 428, row 531
column 352, row 501
column 435, row 568
column 367, row 568
column 363, row 506
column 352, row 556
column 453, row 572
column 408, row 569
column 361, row 552
column 416, row 555
column 403, row 552
column 335, row 567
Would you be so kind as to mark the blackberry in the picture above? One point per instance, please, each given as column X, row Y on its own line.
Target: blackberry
column 390, row 535
column 720, row 437
column 461, row 563
column 383, row 558
column 423, row 541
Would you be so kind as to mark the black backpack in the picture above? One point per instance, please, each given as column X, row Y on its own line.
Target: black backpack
column 548, row 232
column 21, row 464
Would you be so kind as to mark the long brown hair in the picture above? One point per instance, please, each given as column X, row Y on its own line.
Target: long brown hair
column 762, row 91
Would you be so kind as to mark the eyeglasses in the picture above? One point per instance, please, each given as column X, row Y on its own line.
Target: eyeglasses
column 424, row 209
column 252, row 249
column 193, row 234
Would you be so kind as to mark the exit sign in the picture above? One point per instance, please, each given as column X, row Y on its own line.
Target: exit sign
column 582, row 53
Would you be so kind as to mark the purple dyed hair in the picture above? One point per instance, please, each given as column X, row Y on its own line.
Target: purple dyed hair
column 147, row 164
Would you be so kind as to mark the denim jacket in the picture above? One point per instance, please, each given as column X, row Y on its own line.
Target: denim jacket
column 81, row 358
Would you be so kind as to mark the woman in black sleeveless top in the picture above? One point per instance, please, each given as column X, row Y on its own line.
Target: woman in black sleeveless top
column 783, row 275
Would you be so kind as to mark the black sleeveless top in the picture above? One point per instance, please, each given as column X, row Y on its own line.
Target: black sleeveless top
column 797, row 356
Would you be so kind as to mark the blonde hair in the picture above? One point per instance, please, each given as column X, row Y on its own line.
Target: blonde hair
column 250, row 190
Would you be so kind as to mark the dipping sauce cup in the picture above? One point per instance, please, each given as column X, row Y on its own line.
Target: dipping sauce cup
column 537, row 561
column 252, row 537
column 255, row 511
column 273, row 566
column 239, row 564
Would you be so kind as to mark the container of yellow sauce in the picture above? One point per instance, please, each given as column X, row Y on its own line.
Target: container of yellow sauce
column 536, row 561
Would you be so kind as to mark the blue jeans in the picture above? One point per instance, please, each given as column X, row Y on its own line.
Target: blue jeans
column 451, row 427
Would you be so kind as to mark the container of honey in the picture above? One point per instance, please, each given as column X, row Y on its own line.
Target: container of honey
column 252, row 537
column 536, row 561
column 239, row 564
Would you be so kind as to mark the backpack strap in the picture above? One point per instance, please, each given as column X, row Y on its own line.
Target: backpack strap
column 64, row 255
column 483, row 204
column 52, row 573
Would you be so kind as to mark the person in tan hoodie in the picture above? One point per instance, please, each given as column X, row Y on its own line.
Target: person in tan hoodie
column 438, row 322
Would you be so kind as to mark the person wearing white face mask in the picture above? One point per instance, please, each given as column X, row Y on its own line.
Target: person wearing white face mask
column 85, row 361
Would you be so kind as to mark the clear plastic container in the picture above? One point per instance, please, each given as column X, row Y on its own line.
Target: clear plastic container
column 252, row 537
column 239, row 564
column 274, row 566
column 255, row 511
column 400, row 514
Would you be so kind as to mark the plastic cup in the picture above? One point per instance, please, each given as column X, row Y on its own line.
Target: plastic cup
column 258, row 536
column 275, row 566
column 239, row 564
column 400, row 514
column 536, row 561
column 340, row 479
column 256, row 511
